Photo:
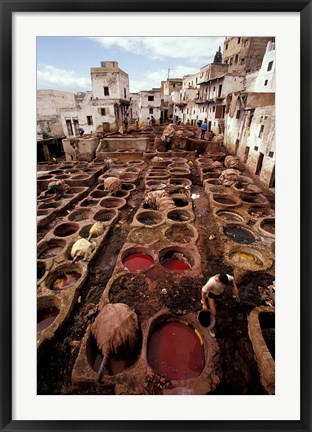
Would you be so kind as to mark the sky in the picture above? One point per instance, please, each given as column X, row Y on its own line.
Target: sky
column 64, row 63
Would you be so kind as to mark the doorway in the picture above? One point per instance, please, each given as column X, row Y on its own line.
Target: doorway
column 259, row 164
column 69, row 127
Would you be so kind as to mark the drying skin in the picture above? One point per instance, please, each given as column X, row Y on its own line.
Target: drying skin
column 112, row 185
column 96, row 230
column 231, row 162
column 82, row 248
column 159, row 200
column 115, row 330
column 229, row 177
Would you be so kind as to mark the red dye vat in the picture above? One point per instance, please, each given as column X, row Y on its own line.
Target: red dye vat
column 45, row 317
column 175, row 265
column 175, row 351
column 138, row 261
column 65, row 280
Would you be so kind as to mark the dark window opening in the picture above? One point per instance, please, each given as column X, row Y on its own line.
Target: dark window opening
column 271, row 154
column 250, row 117
column 125, row 93
column 266, row 82
column 236, row 58
column 259, row 164
column 213, row 109
column 150, row 98
column 103, row 111
column 236, row 146
column 69, row 127
column 106, row 91
column 246, row 154
column 272, row 180
column 226, row 46
column 261, row 131
column 151, row 110
column 89, row 120
column 238, row 114
column 270, row 65
column 238, row 40
column 242, row 61
column 220, row 90
column 173, row 85
column 256, row 148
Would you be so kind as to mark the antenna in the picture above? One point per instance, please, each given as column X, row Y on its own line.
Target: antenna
column 168, row 72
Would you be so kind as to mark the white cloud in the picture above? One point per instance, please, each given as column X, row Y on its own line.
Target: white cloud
column 190, row 49
column 50, row 77
column 153, row 78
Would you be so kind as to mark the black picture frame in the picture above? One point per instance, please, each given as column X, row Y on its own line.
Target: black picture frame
column 8, row 7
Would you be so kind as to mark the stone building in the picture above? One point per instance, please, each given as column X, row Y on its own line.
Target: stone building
column 50, row 103
column 168, row 87
column 149, row 105
column 244, row 54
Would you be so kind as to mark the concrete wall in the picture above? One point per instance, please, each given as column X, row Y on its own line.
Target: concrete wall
column 49, row 106
column 191, row 81
column 146, row 105
column 244, row 54
column 250, row 136
column 265, row 81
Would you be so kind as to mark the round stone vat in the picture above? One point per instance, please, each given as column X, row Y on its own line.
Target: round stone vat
column 246, row 188
column 80, row 215
column 48, row 309
column 239, row 234
column 180, row 200
column 115, row 365
column 65, row 229
column 41, row 269
column 135, row 162
column 98, row 194
column 122, row 194
column 175, row 351
column 57, row 171
column 178, row 165
column 179, row 182
column 180, row 216
column 65, row 276
column 75, row 190
column 128, row 177
column 41, row 214
column 208, row 173
column 212, row 182
column 204, row 160
column 47, row 198
column 225, row 200
column 129, row 187
column 62, row 176
column 230, row 216
column 80, row 177
column 107, row 216
column 180, row 233
column 247, row 258
column 68, row 166
column 258, row 200
column 155, row 185
column 267, row 225
column 218, row 190
column 49, row 205
column 45, row 177
column 179, row 172
column 133, row 170
column 259, row 212
column 113, row 202
column 48, row 249
column 89, row 202
column 150, row 218
column 175, row 258
column 137, row 258
column 179, row 160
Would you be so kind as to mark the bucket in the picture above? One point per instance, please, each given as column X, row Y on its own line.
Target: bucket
column 206, row 318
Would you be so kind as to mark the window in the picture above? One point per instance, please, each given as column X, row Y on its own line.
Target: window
column 242, row 60
column 89, row 120
column 173, row 85
column 256, row 148
column 238, row 114
column 238, row 40
column 106, row 91
column 270, row 65
column 103, row 111
column 213, row 109
column 151, row 110
column 226, row 46
column 125, row 93
column 271, row 154
column 196, row 80
column 236, row 58
column 266, row 82
column 150, row 98
column 246, row 42
column 261, row 131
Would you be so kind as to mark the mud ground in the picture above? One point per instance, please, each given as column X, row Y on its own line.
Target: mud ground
column 240, row 373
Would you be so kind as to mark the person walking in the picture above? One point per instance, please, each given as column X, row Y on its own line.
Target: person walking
column 213, row 290
column 203, row 129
